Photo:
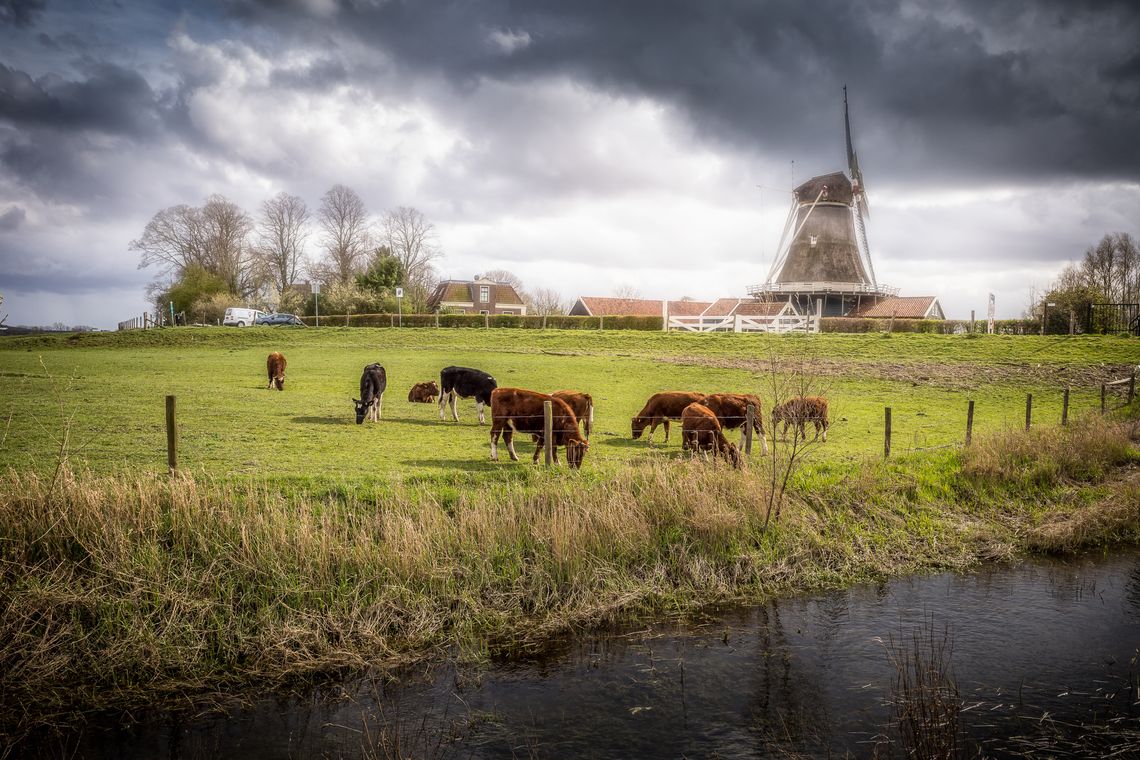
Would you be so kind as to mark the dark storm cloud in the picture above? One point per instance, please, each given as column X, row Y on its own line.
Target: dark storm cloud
column 20, row 12
column 961, row 89
column 110, row 99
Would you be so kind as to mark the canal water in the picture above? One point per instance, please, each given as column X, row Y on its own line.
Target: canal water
column 1044, row 655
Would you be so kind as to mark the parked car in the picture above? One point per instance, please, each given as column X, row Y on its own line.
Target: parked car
column 279, row 319
column 239, row 317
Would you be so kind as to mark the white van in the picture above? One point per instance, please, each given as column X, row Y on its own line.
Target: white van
column 238, row 317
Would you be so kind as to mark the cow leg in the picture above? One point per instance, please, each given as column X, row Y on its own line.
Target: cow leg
column 665, row 422
column 479, row 408
column 509, row 437
column 380, row 407
column 442, row 404
column 494, row 444
column 825, row 432
column 454, row 405
column 763, row 442
column 539, row 442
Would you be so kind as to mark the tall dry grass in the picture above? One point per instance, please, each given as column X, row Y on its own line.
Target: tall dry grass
column 117, row 588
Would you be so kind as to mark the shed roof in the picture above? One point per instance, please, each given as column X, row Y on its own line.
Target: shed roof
column 904, row 307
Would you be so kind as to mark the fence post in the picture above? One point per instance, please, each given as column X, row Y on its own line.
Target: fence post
column 1103, row 398
column 1028, row 411
column 891, row 324
column 1072, row 321
column 749, row 421
column 543, row 321
column 487, row 320
column 971, row 320
column 391, row 320
column 969, row 421
column 602, row 322
column 437, row 319
column 1065, row 407
column 887, row 433
column 171, row 436
column 1132, row 386
column 548, row 432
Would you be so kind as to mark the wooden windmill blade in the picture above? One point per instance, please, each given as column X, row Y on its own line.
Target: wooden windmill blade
column 862, row 206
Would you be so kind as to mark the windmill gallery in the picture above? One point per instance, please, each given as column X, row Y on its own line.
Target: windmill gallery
column 822, row 268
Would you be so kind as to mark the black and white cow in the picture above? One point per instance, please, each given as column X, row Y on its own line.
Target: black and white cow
column 371, row 401
column 464, row 382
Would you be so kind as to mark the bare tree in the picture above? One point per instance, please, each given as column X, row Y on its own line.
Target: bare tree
column 542, row 301
column 344, row 220
column 213, row 236
column 625, row 290
column 172, row 240
column 283, row 229
column 506, row 278
column 412, row 239
column 227, row 228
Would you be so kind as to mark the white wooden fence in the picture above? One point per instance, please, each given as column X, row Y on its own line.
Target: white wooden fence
column 740, row 323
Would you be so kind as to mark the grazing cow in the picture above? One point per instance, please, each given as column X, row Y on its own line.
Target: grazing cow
column 464, row 382
column 798, row 412
column 423, row 393
column 700, row 432
column 583, row 406
column 731, row 410
column 373, row 381
column 517, row 410
column 275, row 368
column 660, row 408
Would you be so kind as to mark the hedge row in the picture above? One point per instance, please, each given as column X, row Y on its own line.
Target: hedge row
column 560, row 322
column 554, row 321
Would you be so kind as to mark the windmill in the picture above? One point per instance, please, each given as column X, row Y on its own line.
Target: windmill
column 823, row 253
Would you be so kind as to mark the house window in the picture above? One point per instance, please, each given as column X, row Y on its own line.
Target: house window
column 484, row 311
column 812, row 240
column 484, row 293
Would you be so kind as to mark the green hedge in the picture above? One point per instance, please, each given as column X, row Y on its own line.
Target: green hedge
column 555, row 322
column 867, row 325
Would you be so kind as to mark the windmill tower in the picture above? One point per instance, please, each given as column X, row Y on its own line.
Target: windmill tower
column 825, row 257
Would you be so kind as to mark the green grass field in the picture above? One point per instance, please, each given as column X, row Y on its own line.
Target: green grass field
column 110, row 388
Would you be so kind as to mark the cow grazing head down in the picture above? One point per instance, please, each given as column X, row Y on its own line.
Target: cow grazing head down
column 361, row 410
column 275, row 368
column 576, row 452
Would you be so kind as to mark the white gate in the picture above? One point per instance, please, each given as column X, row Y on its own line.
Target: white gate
column 738, row 323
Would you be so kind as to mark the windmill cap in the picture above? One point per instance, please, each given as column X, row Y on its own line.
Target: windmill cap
column 837, row 184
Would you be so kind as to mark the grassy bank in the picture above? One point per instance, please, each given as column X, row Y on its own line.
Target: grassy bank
column 118, row 588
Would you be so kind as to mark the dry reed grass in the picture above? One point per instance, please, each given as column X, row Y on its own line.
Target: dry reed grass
column 115, row 589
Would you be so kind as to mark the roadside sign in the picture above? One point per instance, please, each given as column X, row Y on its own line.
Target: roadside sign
column 399, row 292
column 316, row 288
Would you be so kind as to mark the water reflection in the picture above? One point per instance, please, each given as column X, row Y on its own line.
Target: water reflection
column 806, row 675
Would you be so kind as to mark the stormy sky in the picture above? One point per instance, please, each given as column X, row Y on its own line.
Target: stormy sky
column 582, row 145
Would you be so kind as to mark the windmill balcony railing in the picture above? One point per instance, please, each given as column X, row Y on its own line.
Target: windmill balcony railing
column 854, row 288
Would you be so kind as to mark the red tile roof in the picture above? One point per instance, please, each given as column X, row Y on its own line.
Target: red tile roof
column 761, row 308
column 904, row 307
column 638, row 307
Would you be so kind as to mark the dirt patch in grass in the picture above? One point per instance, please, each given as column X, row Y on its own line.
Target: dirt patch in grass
column 955, row 376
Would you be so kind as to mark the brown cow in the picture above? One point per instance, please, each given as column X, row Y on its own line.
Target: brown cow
column 700, row 432
column 583, row 406
column 731, row 410
column 275, row 368
column 798, row 412
column 424, row 393
column 660, row 408
column 518, row 410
